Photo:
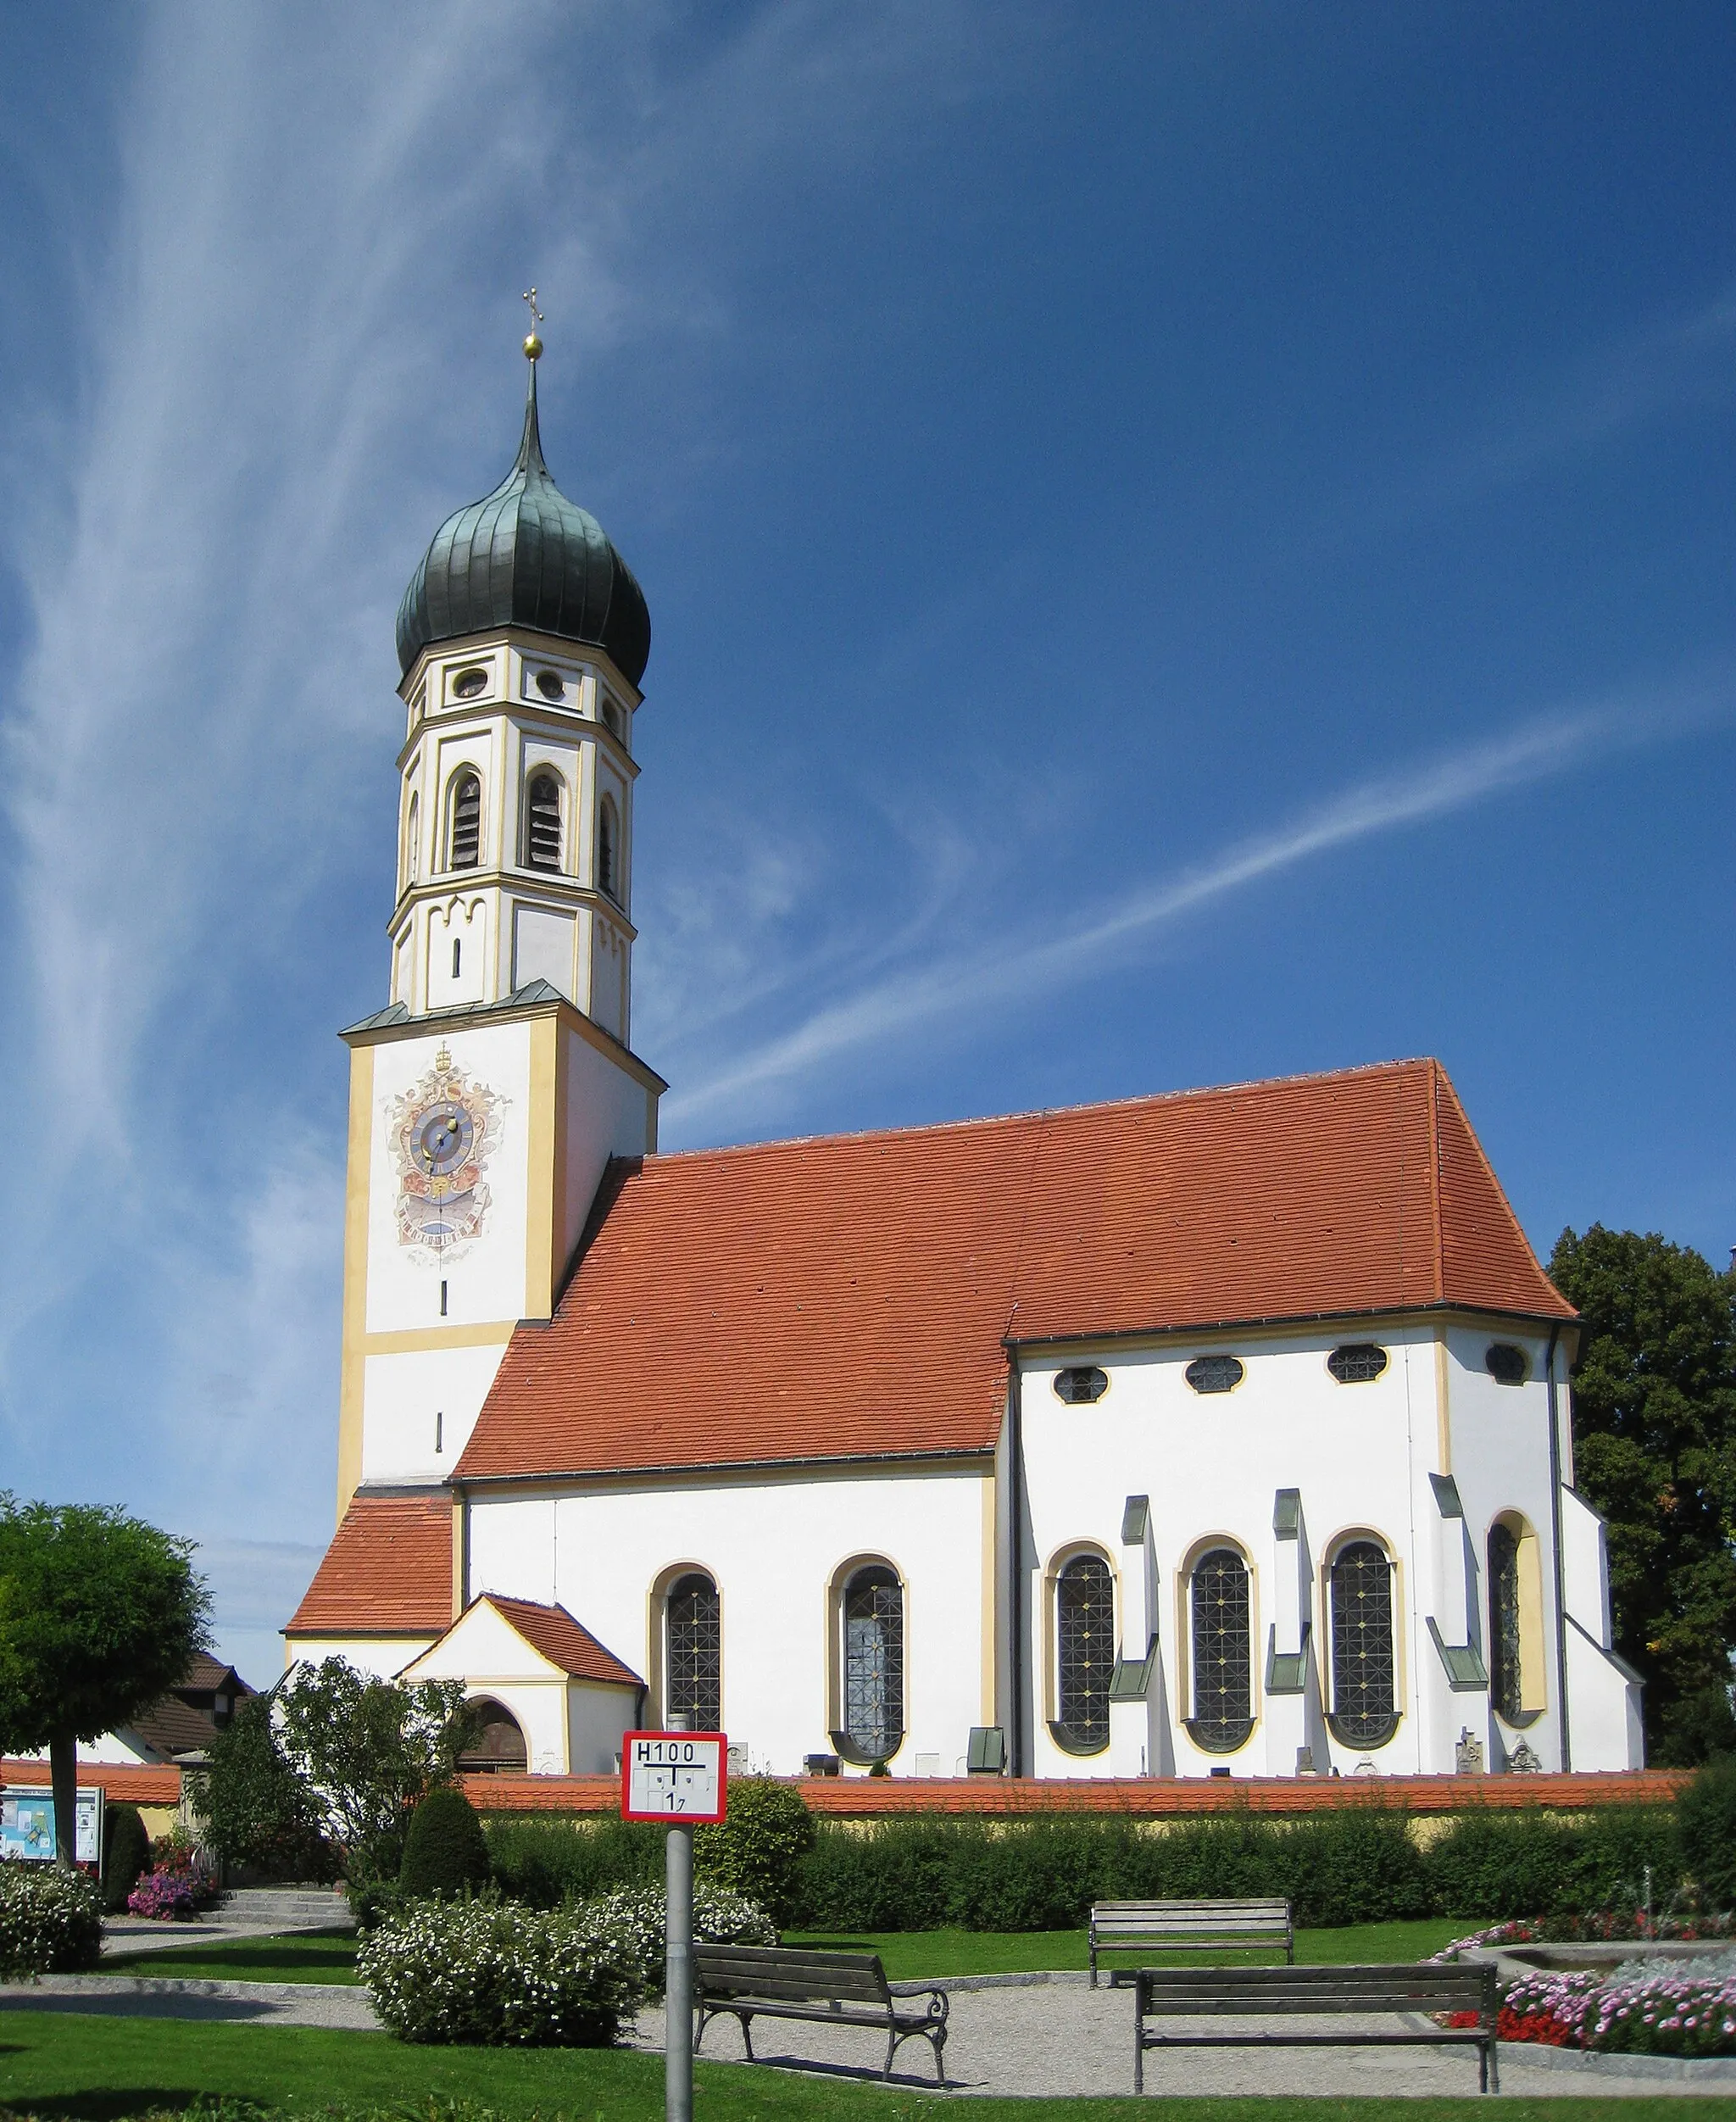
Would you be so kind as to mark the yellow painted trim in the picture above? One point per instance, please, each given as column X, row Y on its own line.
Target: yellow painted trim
column 357, row 1181
column 542, row 1169
column 407, row 1341
column 1442, row 1406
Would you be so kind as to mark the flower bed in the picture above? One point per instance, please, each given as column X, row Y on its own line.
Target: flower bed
column 1601, row 1927
column 1647, row 2007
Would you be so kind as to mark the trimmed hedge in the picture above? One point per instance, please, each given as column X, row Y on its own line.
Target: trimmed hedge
column 1360, row 1864
column 444, row 1853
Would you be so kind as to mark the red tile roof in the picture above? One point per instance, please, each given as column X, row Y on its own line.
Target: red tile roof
column 148, row 1784
column 1153, row 1797
column 387, row 1571
column 848, row 1295
column 564, row 1642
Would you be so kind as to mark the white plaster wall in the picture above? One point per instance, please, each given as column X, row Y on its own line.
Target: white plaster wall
column 596, row 1718
column 544, row 948
column 608, row 1113
column 402, row 1392
column 1604, row 1707
column 485, row 1281
column 383, row 1657
column 773, row 1546
column 1211, row 1464
column 1585, row 1567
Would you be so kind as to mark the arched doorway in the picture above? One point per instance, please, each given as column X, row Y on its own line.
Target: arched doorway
column 498, row 1745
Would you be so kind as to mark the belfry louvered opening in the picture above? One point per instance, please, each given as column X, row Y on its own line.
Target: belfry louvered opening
column 542, row 823
column 466, row 823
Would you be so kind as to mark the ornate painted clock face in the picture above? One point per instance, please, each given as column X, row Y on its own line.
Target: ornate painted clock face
column 442, row 1130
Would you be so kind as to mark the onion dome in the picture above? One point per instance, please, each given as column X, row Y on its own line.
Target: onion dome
column 527, row 556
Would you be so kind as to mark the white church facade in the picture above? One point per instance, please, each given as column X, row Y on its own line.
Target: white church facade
column 1224, row 1432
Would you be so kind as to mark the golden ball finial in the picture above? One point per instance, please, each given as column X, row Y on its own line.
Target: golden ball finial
column 533, row 347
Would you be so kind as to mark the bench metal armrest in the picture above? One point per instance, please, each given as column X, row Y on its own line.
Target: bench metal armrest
column 939, row 2004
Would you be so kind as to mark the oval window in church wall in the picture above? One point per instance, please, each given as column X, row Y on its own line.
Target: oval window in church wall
column 1506, row 1363
column 1215, row 1373
column 1357, row 1363
column 1081, row 1386
column 1085, row 1652
column 1222, row 1651
column 873, row 1620
column 1364, row 1710
column 693, row 1653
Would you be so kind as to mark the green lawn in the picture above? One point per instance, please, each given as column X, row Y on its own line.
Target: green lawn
column 328, row 1956
column 73, row 2066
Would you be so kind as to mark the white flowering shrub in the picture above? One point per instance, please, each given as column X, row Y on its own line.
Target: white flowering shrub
column 486, row 1970
column 637, row 1917
column 51, row 1921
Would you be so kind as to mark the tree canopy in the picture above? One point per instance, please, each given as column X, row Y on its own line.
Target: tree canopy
column 1654, row 1451
column 100, row 1615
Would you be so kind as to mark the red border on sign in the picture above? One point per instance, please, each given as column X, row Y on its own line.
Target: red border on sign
column 702, row 1820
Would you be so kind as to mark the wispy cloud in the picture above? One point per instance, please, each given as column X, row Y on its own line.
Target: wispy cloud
column 1001, row 974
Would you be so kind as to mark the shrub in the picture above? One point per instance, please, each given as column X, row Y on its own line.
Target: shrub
column 484, row 1970
column 756, row 1849
column 167, row 1895
column 637, row 1918
column 257, row 1809
column 1537, row 1863
column 51, row 1921
column 444, row 1851
column 126, row 1849
column 545, row 1861
column 1706, row 1812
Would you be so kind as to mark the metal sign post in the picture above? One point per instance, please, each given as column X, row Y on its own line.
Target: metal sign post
column 677, row 1777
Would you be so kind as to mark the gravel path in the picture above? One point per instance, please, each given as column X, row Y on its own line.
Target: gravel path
column 157, row 1996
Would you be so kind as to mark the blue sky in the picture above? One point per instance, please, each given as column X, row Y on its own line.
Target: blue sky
column 1183, row 544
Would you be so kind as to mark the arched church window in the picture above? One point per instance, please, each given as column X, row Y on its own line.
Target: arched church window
column 466, row 823
column 1215, row 1373
column 412, row 841
column 1085, row 1649
column 874, row 1662
column 542, row 823
column 1222, row 1649
column 693, row 1653
column 608, row 849
column 1505, row 1675
column 1364, row 1710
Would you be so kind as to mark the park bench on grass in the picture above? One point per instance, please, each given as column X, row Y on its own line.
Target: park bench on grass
column 834, row 1989
column 1169, row 1926
column 1466, row 1990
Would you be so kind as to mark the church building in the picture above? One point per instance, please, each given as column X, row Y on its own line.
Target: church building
column 1215, row 1433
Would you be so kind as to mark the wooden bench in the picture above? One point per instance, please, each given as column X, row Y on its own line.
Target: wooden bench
column 1464, row 1988
column 1168, row 1926
column 834, row 1989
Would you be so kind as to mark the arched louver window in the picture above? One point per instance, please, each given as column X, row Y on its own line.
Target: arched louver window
column 412, row 841
column 1085, row 1645
column 466, row 823
column 1505, row 1675
column 1223, row 1658
column 874, row 1662
column 1364, row 1710
column 693, row 1653
column 608, row 850
column 542, row 823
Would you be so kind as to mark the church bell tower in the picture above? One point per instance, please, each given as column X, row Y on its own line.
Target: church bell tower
column 486, row 1098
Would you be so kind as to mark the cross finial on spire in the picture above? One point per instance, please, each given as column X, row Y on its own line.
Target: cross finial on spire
column 533, row 345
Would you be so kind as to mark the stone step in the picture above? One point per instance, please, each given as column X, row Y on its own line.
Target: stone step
column 284, row 1904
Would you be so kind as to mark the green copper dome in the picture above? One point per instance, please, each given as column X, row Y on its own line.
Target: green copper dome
column 525, row 556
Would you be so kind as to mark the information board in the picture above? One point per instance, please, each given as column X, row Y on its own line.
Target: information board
column 27, row 1824
column 673, row 1775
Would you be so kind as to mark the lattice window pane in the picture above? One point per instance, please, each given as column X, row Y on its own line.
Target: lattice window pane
column 1504, row 1622
column 543, row 832
column 1363, row 1708
column 695, row 1645
column 1357, row 1363
column 1085, row 1626
column 1223, row 1662
column 1215, row 1373
column 874, row 1662
column 467, row 823
column 1081, row 1386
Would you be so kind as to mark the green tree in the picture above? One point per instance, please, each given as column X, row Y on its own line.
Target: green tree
column 371, row 1751
column 445, row 1850
column 1654, row 1451
column 755, row 1849
column 100, row 1615
column 255, row 1808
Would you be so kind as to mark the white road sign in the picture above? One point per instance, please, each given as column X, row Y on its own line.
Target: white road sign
column 673, row 1775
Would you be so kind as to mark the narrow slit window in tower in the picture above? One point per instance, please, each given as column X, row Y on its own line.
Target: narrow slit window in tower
column 607, row 857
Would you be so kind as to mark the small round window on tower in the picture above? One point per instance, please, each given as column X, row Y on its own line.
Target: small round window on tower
column 1506, row 1364
column 469, row 683
column 550, row 685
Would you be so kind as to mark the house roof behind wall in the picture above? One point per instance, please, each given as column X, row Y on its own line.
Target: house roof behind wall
column 847, row 1296
column 387, row 1571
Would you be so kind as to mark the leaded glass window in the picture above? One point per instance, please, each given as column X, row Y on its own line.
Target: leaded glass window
column 874, row 1662
column 1364, row 1710
column 1082, row 1385
column 1085, row 1621
column 466, row 823
column 1504, row 1663
column 1223, row 1662
column 693, row 1642
column 542, row 823
column 1357, row 1363
column 1215, row 1373
column 1505, row 1364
